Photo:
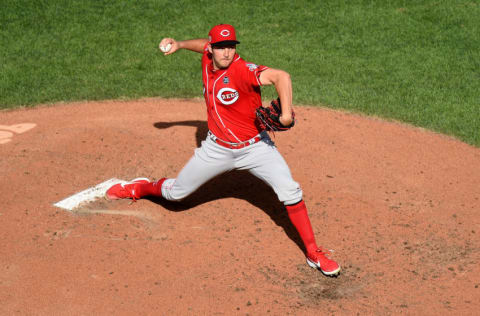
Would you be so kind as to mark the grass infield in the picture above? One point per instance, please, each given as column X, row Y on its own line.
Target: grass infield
column 413, row 61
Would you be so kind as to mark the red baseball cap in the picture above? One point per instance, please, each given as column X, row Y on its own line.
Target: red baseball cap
column 222, row 34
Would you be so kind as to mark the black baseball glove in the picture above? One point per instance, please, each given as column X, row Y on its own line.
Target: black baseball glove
column 269, row 117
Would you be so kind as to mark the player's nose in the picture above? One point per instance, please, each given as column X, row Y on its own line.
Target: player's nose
column 227, row 51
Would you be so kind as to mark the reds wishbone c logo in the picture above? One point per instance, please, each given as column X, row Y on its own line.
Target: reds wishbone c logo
column 225, row 33
column 227, row 95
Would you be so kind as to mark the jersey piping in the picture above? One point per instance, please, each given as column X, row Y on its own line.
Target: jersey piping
column 215, row 105
column 220, row 119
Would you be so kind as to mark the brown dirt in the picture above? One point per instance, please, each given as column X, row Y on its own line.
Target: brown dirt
column 398, row 204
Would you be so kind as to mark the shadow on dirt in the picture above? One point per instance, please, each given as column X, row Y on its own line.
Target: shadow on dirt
column 234, row 184
column 200, row 134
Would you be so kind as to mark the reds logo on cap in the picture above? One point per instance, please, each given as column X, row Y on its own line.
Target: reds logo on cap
column 222, row 33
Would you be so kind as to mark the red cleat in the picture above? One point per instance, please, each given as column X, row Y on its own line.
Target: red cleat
column 125, row 190
column 319, row 260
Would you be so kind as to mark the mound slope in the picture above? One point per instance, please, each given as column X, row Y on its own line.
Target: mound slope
column 398, row 204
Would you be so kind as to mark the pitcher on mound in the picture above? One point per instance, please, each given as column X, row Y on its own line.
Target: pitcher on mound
column 237, row 137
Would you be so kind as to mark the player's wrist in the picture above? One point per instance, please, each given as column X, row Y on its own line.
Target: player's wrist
column 180, row 44
column 286, row 120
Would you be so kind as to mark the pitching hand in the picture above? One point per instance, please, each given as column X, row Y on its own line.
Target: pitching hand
column 165, row 43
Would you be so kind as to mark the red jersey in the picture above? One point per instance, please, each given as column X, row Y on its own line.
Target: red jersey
column 231, row 96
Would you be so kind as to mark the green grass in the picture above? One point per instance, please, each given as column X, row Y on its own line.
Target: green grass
column 413, row 61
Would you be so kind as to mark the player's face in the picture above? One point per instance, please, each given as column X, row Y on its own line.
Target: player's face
column 223, row 56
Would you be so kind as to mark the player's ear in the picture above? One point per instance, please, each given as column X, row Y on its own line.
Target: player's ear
column 209, row 48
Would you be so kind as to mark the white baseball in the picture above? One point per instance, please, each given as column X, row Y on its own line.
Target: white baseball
column 165, row 49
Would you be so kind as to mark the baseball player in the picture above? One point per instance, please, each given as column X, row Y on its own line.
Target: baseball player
column 236, row 139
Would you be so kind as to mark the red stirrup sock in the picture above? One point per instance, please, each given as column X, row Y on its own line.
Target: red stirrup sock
column 299, row 217
column 150, row 189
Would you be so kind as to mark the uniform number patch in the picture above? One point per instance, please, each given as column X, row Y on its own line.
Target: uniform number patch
column 227, row 95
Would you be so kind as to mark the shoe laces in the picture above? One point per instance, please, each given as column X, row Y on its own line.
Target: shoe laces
column 324, row 252
column 131, row 191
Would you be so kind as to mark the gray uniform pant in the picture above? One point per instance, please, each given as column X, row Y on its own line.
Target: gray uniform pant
column 262, row 159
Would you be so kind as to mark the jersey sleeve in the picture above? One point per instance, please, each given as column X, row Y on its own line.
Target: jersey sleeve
column 205, row 56
column 253, row 73
column 205, row 50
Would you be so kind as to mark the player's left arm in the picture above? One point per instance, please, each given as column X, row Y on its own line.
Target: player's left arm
column 283, row 84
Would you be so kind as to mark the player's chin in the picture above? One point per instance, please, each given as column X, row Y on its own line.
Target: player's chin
column 225, row 63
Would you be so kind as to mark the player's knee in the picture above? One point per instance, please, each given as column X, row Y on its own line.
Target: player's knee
column 292, row 195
